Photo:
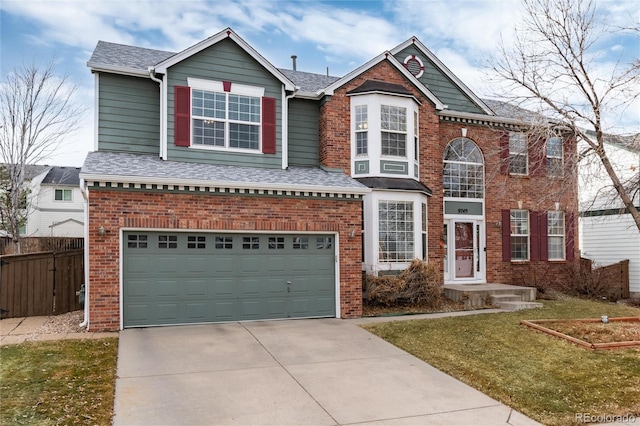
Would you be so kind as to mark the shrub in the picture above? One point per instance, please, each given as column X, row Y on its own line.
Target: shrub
column 584, row 281
column 419, row 284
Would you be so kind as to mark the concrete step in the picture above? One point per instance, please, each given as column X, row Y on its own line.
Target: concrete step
column 497, row 298
column 518, row 306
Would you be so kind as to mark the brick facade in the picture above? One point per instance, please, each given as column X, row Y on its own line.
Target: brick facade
column 535, row 192
column 116, row 209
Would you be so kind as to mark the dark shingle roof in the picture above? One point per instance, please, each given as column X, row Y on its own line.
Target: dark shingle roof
column 507, row 110
column 308, row 82
column 395, row 183
column 123, row 56
column 31, row 170
column 63, row 176
column 380, row 86
column 152, row 167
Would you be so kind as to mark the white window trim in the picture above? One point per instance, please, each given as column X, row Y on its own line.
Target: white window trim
column 236, row 89
column 372, row 262
column 562, row 235
column 560, row 157
column 63, row 191
column 374, row 139
column 528, row 235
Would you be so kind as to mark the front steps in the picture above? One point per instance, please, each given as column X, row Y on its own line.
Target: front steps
column 507, row 297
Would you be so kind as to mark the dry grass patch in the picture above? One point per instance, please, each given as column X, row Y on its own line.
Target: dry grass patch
column 550, row 380
column 65, row 382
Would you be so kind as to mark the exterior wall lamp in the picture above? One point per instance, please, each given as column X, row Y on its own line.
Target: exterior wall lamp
column 102, row 231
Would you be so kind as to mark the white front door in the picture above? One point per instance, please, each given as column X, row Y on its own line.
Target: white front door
column 465, row 251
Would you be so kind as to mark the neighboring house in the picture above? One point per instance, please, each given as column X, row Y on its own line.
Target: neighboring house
column 56, row 204
column 608, row 233
column 223, row 188
column 33, row 175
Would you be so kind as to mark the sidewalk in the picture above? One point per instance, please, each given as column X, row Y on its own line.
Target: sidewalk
column 30, row 329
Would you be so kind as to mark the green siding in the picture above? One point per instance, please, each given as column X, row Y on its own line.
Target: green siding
column 440, row 85
column 303, row 132
column 224, row 61
column 128, row 114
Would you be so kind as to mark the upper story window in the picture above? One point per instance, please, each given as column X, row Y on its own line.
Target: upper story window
column 225, row 120
column 554, row 156
column 384, row 135
column 224, row 115
column 362, row 128
column 63, row 195
column 518, row 157
column 394, row 130
column 463, row 170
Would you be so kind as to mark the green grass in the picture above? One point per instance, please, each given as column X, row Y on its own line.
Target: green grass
column 545, row 378
column 66, row 382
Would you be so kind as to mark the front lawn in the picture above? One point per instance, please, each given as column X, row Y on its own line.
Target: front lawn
column 545, row 378
column 65, row 382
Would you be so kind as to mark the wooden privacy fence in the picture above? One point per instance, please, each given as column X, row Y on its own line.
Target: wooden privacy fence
column 40, row 283
column 615, row 276
column 38, row 244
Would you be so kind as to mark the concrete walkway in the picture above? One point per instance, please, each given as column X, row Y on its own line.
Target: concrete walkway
column 292, row 372
column 22, row 329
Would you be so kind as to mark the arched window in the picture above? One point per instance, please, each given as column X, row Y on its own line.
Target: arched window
column 463, row 175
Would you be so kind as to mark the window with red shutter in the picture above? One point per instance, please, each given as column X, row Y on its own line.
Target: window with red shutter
column 268, row 125
column 182, row 116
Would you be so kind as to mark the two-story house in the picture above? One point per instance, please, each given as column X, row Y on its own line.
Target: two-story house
column 223, row 188
column 56, row 204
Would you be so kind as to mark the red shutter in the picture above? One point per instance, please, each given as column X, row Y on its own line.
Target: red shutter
column 268, row 125
column 544, row 236
column 506, row 235
column 534, row 235
column 538, row 156
column 504, row 153
column 570, row 224
column 182, row 116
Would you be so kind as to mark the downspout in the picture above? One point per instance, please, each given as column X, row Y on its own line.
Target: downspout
column 85, row 195
column 163, row 112
column 285, row 127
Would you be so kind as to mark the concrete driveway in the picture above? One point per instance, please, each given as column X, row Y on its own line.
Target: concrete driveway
column 293, row 372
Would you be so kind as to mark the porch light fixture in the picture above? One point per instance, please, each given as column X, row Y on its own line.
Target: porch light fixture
column 102, row 231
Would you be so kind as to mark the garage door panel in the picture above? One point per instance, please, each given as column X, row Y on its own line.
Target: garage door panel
column 168, row 312
column 167, row 265
column 196, row 265
column 213, row 277
column 224, row 311
column 222, row 287
column 250, row 286
column 137, row 288
column 137, row 265
column 251, row 264
column 196, row 311
column 196, row 287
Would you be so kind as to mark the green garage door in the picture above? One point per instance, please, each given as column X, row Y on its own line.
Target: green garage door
column 180, row 278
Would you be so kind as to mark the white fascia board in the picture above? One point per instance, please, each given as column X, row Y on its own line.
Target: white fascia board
column 134, row 72
column 226, row 33
column 222, row 184
column 429, row 54
column 329, row 90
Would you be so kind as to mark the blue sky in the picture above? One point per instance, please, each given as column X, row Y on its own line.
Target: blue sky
column 338, row 35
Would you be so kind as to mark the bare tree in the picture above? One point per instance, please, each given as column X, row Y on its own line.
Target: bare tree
column 552, row 65
column 37, row 113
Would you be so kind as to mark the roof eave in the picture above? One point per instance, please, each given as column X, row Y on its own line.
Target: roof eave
column 226, row 184
column 134, row 72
